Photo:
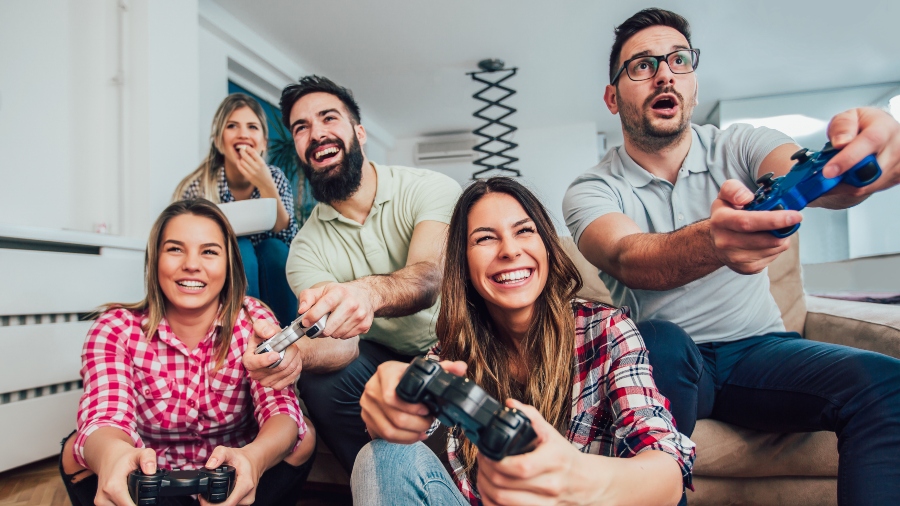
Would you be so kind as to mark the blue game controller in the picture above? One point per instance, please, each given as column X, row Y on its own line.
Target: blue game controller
column 805, row 183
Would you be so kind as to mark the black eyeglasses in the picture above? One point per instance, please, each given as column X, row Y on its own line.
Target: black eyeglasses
column 641, row 68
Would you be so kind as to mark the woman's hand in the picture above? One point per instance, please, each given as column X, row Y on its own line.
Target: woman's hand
column 112, row 477
column 549, row 474
column 279, row 377
column 386, row 415
column 247, row 473
column 253, row 167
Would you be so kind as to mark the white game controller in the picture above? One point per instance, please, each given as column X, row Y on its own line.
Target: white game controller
column 289, row 335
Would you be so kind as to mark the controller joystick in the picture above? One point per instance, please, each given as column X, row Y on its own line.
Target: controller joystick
column 289, row 335
column 457, row 401
column 214, row 485
column 805, row 183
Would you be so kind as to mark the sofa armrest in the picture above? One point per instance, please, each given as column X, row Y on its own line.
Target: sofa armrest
column 874, row 327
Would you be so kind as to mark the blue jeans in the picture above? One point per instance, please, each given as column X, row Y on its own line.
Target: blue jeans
column 333, row 400
column 784, row 383
column 387, row 473
column 266, row 280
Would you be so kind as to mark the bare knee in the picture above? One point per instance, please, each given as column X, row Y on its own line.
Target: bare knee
column 303, row 452
column 70, row 466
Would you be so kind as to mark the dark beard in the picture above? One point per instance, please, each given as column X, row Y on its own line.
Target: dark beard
column 339, row 183
column 647, row 137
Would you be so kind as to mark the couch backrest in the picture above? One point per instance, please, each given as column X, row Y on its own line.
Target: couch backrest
column 785, row 278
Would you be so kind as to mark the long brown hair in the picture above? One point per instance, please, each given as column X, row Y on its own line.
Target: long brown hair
column 466, row 331
column 208, row 170
column 232, row 295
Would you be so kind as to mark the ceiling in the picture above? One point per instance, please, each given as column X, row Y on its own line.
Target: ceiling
column 406, row 61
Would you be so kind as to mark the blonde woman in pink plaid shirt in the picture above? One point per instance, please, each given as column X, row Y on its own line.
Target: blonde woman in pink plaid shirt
column 164, row 386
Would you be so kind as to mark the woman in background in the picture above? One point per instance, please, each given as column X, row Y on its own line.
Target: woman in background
column 235, row 169
column 510, row 321
column 164, row 386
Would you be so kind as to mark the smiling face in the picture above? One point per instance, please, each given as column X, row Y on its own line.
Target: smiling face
column 329, row 145
column 193, row 264
column 506, row 256
column 242, row 130
column 656, row 112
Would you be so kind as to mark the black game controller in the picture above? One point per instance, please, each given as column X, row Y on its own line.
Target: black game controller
column 495, row 430
column 805, row 183
column 289, row 335
column 214, row 485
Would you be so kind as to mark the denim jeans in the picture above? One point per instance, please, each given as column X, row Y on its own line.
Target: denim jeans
column 333, row 400
column 388, row 474
column 784, row 383
column 266, row 279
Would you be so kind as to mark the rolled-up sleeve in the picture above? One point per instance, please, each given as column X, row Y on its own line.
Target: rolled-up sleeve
column 640, row 412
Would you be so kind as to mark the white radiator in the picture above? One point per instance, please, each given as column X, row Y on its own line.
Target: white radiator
column 48, row 280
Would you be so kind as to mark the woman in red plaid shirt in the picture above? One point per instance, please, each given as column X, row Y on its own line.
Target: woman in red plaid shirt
column 164, row 386
column 509, row 320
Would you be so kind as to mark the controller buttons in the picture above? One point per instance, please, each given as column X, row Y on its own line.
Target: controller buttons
column 778, row 207
column 801, row 156
column 765, row 180
column 828, row 148
column 410, row 387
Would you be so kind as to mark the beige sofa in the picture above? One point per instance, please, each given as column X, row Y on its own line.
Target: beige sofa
column 738, row 466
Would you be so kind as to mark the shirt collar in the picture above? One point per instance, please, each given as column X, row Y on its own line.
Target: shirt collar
column 383, row 191
column 638, row 177
column 166, row 335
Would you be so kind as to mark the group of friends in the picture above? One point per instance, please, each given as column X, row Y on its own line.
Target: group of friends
column 405, row 263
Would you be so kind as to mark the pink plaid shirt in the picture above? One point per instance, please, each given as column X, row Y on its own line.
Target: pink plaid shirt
column 616, row 409
column 167, row 397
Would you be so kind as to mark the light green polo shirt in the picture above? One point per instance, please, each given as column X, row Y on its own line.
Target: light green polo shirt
column 331, row 247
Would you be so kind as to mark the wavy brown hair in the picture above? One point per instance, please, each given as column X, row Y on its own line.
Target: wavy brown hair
column 466, row 331
column 208, row 170
column 232, row 295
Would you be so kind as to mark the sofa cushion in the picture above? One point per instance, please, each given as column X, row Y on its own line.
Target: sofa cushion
column 724, row 450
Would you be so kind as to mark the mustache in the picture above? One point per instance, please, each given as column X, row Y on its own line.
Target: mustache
column 317, row 144
column 670, row 90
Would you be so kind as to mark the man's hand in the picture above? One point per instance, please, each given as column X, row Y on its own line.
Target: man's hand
column 351, row 307
column 741, row 239
column 549, row 474
column 386, row 415
column 859, row 133
column 279, row 377
column 247, row 473
column 112, row 479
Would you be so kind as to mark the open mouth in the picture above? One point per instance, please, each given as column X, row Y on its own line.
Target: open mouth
column 512, row 277
column 190, row 284
column 326, row 153
column 664, row 103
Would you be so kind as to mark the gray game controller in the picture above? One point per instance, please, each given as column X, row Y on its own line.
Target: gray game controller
column 289, row 335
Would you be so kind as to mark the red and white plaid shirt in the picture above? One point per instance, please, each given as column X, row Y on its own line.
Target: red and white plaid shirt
column 616, row 409
column 167, row 397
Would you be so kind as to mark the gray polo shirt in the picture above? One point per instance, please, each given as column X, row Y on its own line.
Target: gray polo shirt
column 723, row 305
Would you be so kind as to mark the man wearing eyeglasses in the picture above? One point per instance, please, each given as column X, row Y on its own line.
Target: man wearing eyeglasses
column 661, row 218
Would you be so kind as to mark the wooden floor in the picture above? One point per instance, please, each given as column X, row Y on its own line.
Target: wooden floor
column 39, row 484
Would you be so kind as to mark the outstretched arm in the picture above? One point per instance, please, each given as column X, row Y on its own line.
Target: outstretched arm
column 731, row 237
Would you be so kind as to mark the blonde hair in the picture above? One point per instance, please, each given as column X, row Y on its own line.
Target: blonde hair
column 207, row 172
column 231, row 297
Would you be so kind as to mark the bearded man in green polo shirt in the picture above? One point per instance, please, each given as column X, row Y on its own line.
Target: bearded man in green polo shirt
column 369, row 257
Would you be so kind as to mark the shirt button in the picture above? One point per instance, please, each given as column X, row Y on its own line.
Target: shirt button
column 146, row 391
column 191, row 403
column 680, row 217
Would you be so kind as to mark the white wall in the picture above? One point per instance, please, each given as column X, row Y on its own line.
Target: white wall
column 61, row 115
column 550, row 158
